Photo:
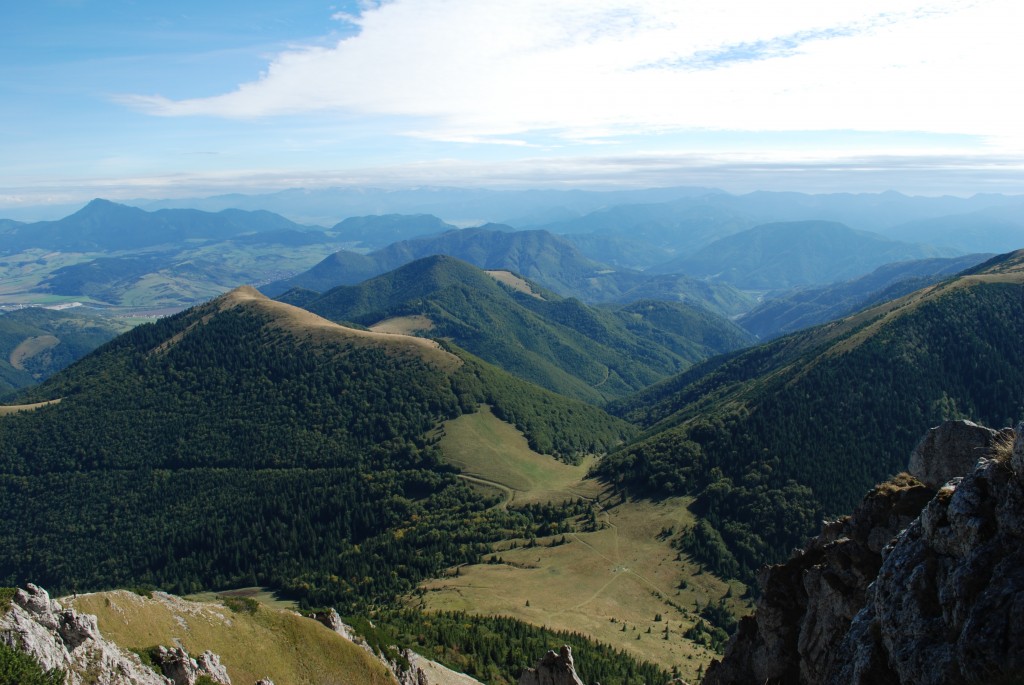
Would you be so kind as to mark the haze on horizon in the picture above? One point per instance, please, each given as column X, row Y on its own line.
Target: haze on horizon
column 126, row 100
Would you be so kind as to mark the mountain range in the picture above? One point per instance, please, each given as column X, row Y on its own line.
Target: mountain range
column 786, row 255
column 430, row 412
column 562, row 344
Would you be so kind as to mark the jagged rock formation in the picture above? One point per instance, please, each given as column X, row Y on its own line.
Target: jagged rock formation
column 421, row 671
column 918, row 586
column 62, row 638
column 182, row 669
column 552, row 669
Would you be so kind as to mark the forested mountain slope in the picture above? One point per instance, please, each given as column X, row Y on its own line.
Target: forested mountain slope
column 246, row 442
column 771, row 438
column 537, row 255
column 805, row 307
column 561, row 344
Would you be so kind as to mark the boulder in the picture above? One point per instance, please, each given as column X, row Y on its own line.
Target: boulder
column 951, row 450
column 553, row 669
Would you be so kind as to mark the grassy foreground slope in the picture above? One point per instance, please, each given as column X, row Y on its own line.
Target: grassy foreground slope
column 248, row 442
column 771, row 438
column 255, row 643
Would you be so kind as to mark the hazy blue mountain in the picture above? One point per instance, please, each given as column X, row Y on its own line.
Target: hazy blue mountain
column 640, row 236
column 785, row 255
column 461, row 206
column 805, row 307
column 377, row 231
column 996, row 229
column 866, row 211
column 116, row 255
column 720, row 298
column 536, row 255
column 107, row 226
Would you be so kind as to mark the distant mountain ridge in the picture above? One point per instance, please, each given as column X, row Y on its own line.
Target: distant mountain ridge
column 537, row 255
column 108, row 226
column 806, row 307
column 785, row 255
column 561, row 344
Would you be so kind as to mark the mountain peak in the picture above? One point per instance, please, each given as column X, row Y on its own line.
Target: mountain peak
column 306, row 326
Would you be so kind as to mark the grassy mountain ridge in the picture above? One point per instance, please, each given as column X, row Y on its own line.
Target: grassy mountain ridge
column 804, row 424
column 562, row 344
column 247, row 442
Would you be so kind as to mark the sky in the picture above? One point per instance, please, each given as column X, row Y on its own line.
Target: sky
column 143, row 99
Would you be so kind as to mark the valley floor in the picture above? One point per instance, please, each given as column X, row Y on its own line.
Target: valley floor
column 622, row 584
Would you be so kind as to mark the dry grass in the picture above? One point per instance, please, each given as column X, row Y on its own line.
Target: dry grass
column 404, row 325
column 30, row 347
column 514, row 282
column 13, row 408
column 491, row 451
column 621, row 575
column 280, row 645
column 306, row 326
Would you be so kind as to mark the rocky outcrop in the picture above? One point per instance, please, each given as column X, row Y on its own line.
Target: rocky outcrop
column 918, row 586
column 553, row 669
column 182, row 669
column 62, row 638
column 952, row 449
column 419, row 671
column 948, row 604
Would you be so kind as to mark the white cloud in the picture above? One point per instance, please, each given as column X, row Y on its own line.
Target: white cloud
column 586, row 69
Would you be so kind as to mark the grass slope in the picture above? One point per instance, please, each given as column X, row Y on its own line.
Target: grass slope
column 624, row 573
column 267, row 643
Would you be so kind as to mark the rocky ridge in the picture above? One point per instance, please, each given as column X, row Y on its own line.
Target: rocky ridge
column 62, row 638
column 922, row 584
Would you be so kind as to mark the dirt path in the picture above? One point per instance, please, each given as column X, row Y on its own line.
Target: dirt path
column 509, row 493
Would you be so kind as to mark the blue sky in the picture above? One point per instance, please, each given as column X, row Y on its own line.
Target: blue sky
column 125, row 99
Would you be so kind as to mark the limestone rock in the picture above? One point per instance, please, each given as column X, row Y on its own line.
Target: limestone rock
column 951, row 450
column 1017, row 455
column 182, row 669
column 948, row 604
column 62, row 638
column 918, row 587
column 807, row 603
column 552, row 669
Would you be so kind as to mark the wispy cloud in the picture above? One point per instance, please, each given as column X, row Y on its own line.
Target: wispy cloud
column 481, row 70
